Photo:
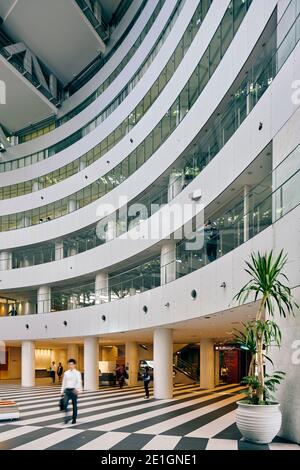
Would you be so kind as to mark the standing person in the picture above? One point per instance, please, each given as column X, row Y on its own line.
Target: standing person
column 13, row 312
column 59, row 372
column 53, row 371
column 122, row 376
column 117, row 371
column 146, row 379
column 224, row 373
column 211, row 238
column 70, row 389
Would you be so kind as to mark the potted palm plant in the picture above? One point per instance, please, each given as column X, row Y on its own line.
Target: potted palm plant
column 258, row 416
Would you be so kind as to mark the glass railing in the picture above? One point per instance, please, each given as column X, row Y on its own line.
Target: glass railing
column 179, row 176
column 151, row 143
column 115, row 136
column 99, row 25
column 48, row 152
column 235, row 227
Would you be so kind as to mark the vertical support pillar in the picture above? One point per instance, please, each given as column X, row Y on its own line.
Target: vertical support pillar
column 168, row 262
column 246, row 213
column 59, row 250
column 44, row 299
column 91, row 363
column 28, row 364
column 72, row 205
column 217, row 367
column 35, row 186
column 132, row 361
column 101, row 288
column 163, row 363
column 175, row 185
column 29, row 308
column 5, row 260
column 207, row 364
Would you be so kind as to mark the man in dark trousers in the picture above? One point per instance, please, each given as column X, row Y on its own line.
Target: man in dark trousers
column 13, row 312
column 146, row 379
column 53, row 372
column 70, row 389
column 59, row 371
column 211, row 239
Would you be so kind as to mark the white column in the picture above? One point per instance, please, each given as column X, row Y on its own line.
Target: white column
column 72, row 250
column 101, row 288
column 175, row 185
column 28, row 364
column 163, row 363
column 72, row 205
column 111, row 231
column 132, row 291
column 132, row 361
column 82, row 165
column 29, row 308
column 168, row 262
column 43, row 299
column 246, row 213
column 5, row 260
column 35, row 186
column 73, row 352
column 72, row 302
column 217, row 367
column 91, row 363
column 59, row 250
column 25, row 221
column 26, row 261
column 207, row 364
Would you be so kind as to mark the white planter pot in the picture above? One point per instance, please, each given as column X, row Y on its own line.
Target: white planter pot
column 258, row 423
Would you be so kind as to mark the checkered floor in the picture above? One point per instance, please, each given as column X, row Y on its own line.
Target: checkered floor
column 113, row 419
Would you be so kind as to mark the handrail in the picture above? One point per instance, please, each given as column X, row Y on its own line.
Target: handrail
column 176, row 113
column 148, row 275
column 193, row 166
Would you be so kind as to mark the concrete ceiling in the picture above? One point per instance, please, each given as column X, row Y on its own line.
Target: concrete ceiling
column 56, row 31
column 24, row 103
column 108, row 8
column 218, row 326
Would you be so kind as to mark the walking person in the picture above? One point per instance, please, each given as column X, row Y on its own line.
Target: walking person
column 59, row 372
column 53, row 371
column 146, row 379
column 70, row 389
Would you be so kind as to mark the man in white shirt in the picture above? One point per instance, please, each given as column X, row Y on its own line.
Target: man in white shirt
column 71, row 387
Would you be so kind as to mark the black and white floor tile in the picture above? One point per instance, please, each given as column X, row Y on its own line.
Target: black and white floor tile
column 114, row 419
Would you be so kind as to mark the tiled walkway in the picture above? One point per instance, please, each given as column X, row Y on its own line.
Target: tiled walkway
column 122, row 420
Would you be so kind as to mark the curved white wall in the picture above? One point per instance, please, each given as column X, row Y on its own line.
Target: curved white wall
column 213, row 180
column 127, row 314
column 140, row 131
column 162, row 159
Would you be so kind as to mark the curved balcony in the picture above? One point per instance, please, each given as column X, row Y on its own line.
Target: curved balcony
column 260, row 223
column 55, row 141
column 139, row 104
column 161, row 132
column 191, row 166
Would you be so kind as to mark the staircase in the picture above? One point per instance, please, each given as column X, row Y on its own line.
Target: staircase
column 186, row 368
